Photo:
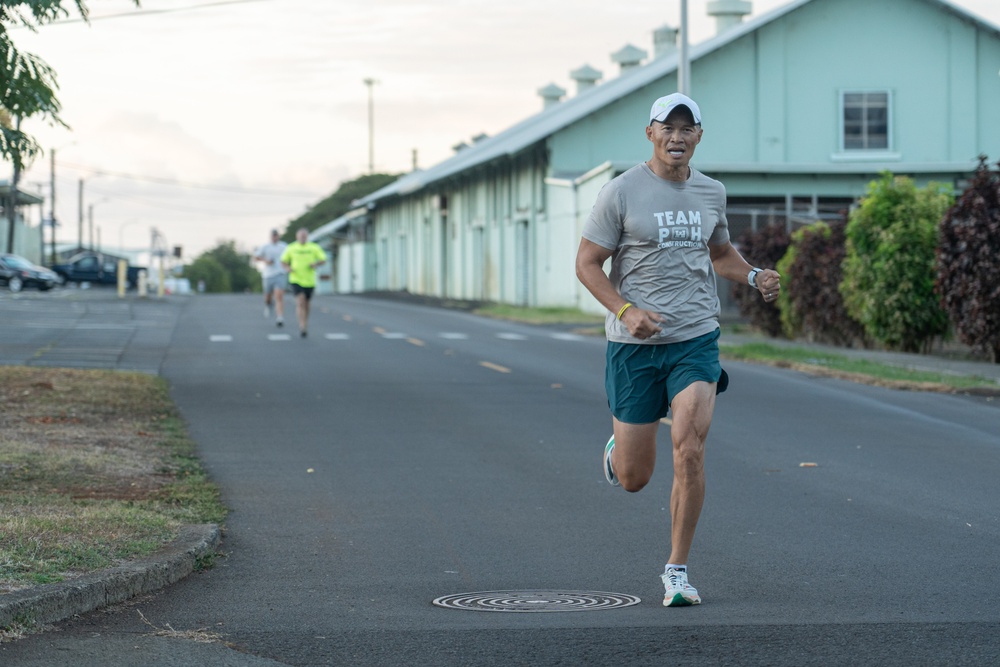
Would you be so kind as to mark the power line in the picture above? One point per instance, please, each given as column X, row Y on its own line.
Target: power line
column 182, row 184
column 200, row 210
column 150, row 12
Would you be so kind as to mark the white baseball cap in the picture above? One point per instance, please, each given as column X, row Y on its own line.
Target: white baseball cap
column 663, row 106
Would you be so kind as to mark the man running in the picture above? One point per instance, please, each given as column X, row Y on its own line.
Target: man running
column 663, row 224
column 301, row 259
column 274, row 277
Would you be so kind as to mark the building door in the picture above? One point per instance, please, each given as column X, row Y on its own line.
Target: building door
column 522, row 265
column 404, row 258
column 478, row 265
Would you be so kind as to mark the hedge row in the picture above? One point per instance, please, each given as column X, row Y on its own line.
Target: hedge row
column 907, row 265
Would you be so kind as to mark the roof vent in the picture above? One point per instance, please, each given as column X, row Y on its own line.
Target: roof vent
column 728, row 13
column 551, row 95
column 586, row 77
column 628, row 57
column 664, row 41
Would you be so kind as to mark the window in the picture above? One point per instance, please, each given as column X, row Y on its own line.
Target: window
column 866, row 121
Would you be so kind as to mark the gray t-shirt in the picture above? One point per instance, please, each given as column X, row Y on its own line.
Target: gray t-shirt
column 272, row 252
column 659, row 232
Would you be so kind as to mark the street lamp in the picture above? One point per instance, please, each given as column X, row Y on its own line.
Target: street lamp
column 52, row 189
column 371, row 125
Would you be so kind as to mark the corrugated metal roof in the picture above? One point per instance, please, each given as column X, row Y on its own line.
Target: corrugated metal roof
column 549, row 121
column 335, row 225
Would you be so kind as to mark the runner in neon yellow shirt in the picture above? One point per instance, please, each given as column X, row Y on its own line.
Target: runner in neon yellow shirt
column 301, row 259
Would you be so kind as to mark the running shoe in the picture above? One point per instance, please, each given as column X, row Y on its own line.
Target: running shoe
column 280, row 322
column 267, row 312
column 304, row 333
column 679, row 593
column 609, row 473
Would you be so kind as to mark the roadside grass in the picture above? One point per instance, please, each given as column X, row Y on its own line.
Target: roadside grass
column 538, row 315
column 96, row 469
column 859, row 370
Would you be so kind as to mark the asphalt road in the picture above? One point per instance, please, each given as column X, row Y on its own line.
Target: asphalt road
column 402, row 453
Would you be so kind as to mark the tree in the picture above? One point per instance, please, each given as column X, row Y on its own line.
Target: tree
column 968, row 263
column 338, row 203
column 889, row 268
column 27, row 83
column 224, row 269
column 208, row 269
column 243, row 277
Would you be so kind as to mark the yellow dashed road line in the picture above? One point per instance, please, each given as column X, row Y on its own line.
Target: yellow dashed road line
column 494, row 367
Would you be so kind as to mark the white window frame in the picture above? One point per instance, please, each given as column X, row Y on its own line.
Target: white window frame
column 885, row 152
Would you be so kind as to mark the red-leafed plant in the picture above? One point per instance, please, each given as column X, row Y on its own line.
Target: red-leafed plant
column 968, row 263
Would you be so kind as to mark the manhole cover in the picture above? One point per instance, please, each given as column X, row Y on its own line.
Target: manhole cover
column 536, row 601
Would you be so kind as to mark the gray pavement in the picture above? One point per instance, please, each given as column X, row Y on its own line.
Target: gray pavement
column 96, row 329
column 87, row 328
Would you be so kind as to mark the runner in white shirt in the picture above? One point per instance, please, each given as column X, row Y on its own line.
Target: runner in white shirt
column 274, row 276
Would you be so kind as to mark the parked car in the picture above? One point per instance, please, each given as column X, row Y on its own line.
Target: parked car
column 16, row 273
column 92, row 267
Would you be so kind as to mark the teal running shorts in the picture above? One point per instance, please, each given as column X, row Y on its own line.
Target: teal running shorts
column 642, row 380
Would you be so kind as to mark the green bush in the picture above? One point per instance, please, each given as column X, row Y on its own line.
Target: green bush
column 968, row 263
column 224, row 269
column 889, row 269
column 207, row 268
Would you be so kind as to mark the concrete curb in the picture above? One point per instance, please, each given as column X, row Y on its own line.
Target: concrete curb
column 50, row 603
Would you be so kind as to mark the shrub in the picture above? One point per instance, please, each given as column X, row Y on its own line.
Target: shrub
column 889, row 269
column 968, row 263
column 762, row 248
column 811, row 304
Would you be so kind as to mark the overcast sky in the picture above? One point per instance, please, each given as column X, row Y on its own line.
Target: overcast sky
column 212, row 120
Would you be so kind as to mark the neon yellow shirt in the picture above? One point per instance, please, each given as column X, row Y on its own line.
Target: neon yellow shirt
column 300, row 257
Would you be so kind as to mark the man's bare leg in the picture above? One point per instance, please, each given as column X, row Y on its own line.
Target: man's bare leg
column 302, row 310
column 634, row 455
column 279, row 304
column 692, row 411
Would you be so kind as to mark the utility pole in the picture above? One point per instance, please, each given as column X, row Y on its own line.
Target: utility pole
column 684, row 61
column 371, row 125
column 52, row 211
column 79, row 226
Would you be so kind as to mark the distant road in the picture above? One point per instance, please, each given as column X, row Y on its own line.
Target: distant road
column 402, row 453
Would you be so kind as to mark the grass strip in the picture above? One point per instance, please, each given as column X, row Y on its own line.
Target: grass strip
column 96, row 469
column 538, row 315
column 810, row 360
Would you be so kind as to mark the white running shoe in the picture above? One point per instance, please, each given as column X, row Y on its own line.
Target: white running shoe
column 267, row 312
column 609, row 473
column 679, row 593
